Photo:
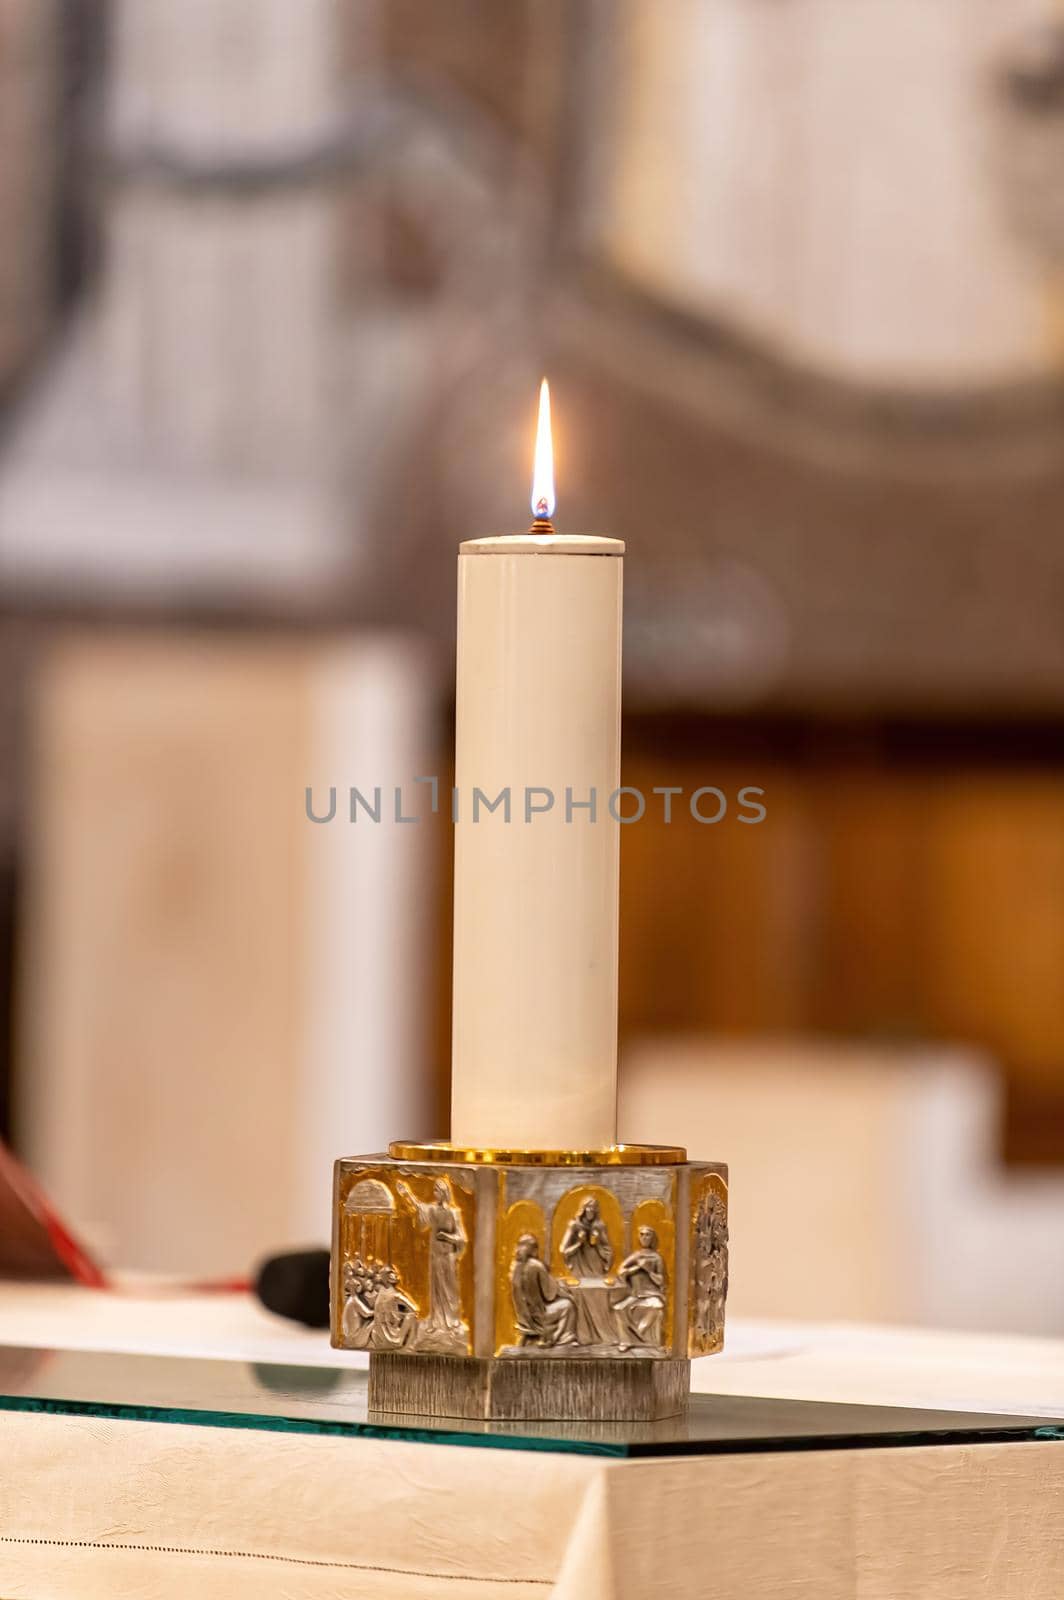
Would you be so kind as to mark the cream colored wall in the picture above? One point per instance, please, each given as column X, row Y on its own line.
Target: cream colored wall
column 821, row 173
column 865, row 1182
column 218, row 997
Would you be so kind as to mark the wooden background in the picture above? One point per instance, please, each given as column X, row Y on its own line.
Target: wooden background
column 906, row 885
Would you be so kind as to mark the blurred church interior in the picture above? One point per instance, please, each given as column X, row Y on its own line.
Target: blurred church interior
column 278, row 279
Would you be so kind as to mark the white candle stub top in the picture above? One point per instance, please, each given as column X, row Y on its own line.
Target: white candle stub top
column 543, row 544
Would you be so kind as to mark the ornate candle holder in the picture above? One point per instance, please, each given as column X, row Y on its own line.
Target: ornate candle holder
column 529, row 1284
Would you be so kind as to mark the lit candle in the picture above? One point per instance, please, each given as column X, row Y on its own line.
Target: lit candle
column 534, row 1061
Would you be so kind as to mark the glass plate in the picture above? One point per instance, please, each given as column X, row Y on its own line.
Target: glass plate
column 332, row 1400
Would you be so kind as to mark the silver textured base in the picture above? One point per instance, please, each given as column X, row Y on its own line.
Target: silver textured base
column 529, row 1389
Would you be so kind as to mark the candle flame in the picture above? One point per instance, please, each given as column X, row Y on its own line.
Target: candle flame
column 543, row 470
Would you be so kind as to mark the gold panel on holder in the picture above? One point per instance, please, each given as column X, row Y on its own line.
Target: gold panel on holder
column 567, row 1215
column 658, row 1215
column 523, row 1216
column 405, row 1273
column 708, row 1281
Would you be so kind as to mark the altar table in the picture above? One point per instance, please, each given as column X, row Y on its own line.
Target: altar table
column 95, row 1505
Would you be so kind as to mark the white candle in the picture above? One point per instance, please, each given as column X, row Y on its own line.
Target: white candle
column 534, row 1060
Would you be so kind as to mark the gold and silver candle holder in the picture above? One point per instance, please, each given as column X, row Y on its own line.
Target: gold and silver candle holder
column 531, row 1285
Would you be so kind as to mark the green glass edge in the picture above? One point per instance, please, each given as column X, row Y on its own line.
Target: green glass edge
column 112, row 1411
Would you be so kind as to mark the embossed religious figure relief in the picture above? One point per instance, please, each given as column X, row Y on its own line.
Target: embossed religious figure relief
column 543, row 1308
column 586, row 1247
column 588, row 1254
column 711, row 1268
column 377, row 1314
column 395, row 1324
column 640, row 1314
column 359, row 1295
column 443, row 1328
